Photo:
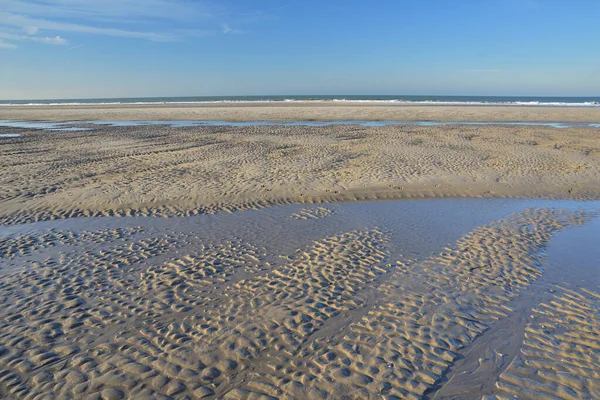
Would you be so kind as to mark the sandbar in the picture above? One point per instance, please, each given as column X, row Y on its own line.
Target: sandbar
column 256, row 111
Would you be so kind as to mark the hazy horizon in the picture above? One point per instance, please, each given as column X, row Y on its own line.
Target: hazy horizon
column 77, row 49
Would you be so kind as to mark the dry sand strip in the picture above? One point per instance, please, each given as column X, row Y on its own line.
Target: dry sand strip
column 166, row 171
column 128, row 314
column 307, row 111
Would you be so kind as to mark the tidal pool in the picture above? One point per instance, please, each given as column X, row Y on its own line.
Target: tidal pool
column 436, row 298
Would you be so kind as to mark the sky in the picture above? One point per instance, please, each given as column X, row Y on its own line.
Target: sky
column 143, row 48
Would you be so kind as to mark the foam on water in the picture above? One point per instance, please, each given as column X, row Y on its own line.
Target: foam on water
column 359, row 99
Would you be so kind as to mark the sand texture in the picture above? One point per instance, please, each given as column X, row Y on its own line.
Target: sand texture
column 273, row 278
column 157, row 309
column 560, row 357
column 167, row 171
column 301, row 111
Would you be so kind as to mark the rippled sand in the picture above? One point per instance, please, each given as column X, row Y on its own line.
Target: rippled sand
column 434, row 298
column 242, row 294
column 161, row 170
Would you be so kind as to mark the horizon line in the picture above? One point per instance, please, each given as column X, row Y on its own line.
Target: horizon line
column 296, row 95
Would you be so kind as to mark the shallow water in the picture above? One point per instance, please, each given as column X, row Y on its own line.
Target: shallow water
column 435, row 296
column 50, row 126
column 9, row 135
column 574, row 255
column 68, row 126
column 418, row 228
column 330, row 123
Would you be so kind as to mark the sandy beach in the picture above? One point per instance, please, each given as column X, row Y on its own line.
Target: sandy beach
column 300, row 262
column 307, row 111
column 161, row 170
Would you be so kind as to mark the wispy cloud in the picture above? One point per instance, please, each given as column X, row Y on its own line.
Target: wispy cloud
column 56, row 40
column 226, row 29
column 75, row 47
column 17, row 20
column 153, row 20
column 121, row 9
column 5, row 45
column 485, row 70
column 31, row 30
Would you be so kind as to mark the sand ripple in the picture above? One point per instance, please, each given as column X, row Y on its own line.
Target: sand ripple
column 560, row 354
column 168, row 171
column 134, row 313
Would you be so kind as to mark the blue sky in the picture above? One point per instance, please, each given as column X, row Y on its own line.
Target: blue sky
column 132, row 48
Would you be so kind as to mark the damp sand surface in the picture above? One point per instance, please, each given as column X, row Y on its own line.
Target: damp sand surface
column 438, row 298
column 306, row 111
column 163, row 170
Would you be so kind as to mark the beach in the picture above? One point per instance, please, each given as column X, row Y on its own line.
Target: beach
column 162, row 170
column 436, row 260
column 301, row 111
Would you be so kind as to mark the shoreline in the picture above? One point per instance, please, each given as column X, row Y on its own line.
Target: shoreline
column 303, row 111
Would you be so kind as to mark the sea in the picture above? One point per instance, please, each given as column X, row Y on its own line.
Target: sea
column 408, row 99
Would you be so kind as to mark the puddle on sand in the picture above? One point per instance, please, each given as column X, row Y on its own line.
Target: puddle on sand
column 413, row 289
column 570, row 262
column 329, row 123
column 50, row 126
column 9, row 135
column 68, row 126
column 418, row 227
column 574, row 256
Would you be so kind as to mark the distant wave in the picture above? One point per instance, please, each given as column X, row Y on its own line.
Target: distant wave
column 313, row 100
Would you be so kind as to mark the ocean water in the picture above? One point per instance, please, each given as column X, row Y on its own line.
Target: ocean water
column 440, row 100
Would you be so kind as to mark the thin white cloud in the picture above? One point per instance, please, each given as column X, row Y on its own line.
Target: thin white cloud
column 30, row 30
column 75, row 47
column 226, row 29
column 153, row 20
column 57, row 40
column 6, row 45
column 22, row 20
column 122, row 9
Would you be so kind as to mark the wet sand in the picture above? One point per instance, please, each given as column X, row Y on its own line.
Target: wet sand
column 271, row 278
column 442, row 298
column 169, row 171
column 301, row 111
